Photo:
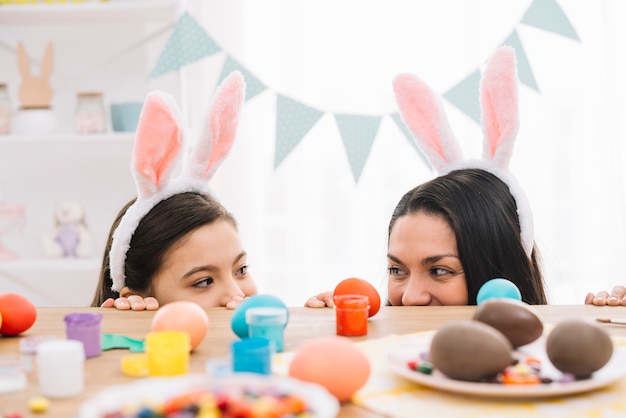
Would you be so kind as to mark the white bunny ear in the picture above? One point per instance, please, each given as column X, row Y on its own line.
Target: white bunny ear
column 424, row 115
column 158, row 143
column 219, row 130
column 499, row 104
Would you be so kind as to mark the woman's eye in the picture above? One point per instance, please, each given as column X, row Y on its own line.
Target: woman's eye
column 242, row 270
column 203, row 283
column 440, row 271
column 395, row 271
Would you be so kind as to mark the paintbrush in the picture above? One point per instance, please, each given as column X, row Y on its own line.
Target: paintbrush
column 612, row 320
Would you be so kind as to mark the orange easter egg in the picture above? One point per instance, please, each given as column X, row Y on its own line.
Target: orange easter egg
column 18, row 314
column 183, row 316
column 354, row 286
column 333, row 362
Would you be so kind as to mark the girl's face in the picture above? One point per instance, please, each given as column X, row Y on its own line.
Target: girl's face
column 423, row 263
column 208, row 266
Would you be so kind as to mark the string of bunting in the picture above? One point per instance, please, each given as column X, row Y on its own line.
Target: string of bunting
column 190, row 42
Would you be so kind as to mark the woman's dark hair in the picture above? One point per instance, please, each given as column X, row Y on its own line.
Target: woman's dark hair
column 481, row 211
column 168, row 221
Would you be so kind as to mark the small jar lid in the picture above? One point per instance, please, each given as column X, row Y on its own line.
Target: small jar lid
column 83, row 318
column 61, row 351
column 266, row 315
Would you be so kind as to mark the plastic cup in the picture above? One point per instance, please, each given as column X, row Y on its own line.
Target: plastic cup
column 351, row 313
column 86, row 328
column 61, row 368
column 253, row 355
column 168, row 352
column 267, row 322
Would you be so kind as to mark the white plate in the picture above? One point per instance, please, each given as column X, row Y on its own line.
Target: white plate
column 399, row 356
column 160, row 389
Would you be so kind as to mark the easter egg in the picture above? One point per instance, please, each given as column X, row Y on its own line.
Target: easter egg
column 470, row 350
column 183, row 316
column 18, row 314
column 354, row 286
column 578, row 347
column 517, row 320
column 498, row 288
column 334, row 362
column 238, row 319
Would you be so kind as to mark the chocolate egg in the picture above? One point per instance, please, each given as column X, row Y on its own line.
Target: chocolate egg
column 470, row 350
column 578, row 347
column 513, row 318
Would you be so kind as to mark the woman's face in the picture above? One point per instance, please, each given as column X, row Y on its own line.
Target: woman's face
column 423, row 263
column 208, row 266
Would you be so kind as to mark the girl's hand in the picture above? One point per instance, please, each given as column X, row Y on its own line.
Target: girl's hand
column 321, row 301
column 134, row 302
column 617, row 297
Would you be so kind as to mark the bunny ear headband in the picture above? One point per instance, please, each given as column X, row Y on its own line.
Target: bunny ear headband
column 424, row 115
column 157, row 149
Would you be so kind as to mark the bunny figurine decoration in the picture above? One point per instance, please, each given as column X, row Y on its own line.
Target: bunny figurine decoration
column 71, row 237
column 35, row 95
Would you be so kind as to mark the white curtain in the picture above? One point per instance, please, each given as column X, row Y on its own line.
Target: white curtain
column 307, row 224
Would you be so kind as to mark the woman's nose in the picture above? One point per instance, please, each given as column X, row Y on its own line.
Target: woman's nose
column 416, row 293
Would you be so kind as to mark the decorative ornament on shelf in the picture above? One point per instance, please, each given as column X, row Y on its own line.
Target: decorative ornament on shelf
column 35, row 114
column 71, row 237
column 11, row 216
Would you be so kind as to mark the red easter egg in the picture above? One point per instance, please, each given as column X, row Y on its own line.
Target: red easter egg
column 18, row 314
column 354, row 286
column 183, row 316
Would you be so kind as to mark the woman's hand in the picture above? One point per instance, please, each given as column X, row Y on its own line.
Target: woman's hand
column 320, row 301
column 134, row 302
column 617, row 297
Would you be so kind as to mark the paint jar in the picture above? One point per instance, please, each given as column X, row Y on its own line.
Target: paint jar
column 253, row 355
column 168, row 352
column 267, row 322
column 89, row 115
column 85, row 327
column 13, row 373
column 61, row 368
column 351, row 312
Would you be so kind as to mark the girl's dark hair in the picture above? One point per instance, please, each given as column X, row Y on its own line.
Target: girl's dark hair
column 168, row 221
column 481, row 211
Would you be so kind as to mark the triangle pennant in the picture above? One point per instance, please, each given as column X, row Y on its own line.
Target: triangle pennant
column 358, row 133
column 548, row 15
column 293, row 121
column 397, row 118
column 188, row 43
column 524, row 71
column 465, row 96
column 254, row 86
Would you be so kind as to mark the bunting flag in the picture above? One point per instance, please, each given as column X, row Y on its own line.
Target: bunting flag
column 358, row 133
column 548, row 15
column 524, row 71
column 465, row 96
column 397, row 118
column 189, row 42
column 293, row 121
column 254, row 86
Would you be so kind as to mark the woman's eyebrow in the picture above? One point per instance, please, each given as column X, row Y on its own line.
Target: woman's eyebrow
column 239, row 257
column 436, row 258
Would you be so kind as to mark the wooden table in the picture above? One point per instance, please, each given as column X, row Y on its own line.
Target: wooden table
column 304, row 323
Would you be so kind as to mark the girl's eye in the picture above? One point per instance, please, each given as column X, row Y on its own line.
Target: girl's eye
column 242, row 270
column 203, row 283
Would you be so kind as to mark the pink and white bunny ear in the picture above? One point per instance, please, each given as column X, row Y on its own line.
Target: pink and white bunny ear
column 220, row 129
column 499, row 104
column 158, row 142
column 424, row 115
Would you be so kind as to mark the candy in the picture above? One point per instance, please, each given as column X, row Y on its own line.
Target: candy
column 38, row 404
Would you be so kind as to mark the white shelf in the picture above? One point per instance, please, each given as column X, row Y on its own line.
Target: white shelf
column 50, row 264
column 115, row 11
column 110, row 137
